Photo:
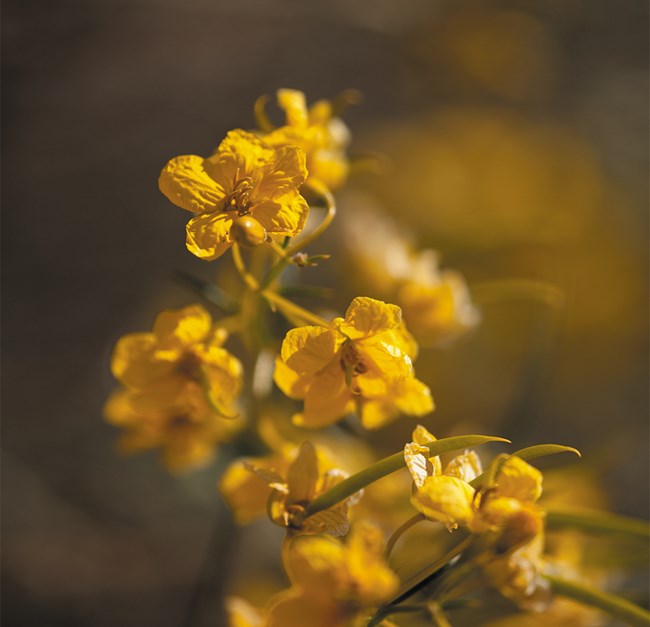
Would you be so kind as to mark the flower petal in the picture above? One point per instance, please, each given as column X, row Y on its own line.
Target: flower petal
column 366, row 317
column 135, row 361
column 208, row 235
column 466, row 466
column 284, row 216
column 327, row 399
column 447, row 499
column 307, row 350
column 187, row 184
column 303, row 475
column 284, row 172
column 519, row 480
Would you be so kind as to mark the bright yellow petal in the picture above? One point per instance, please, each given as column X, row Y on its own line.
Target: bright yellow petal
column 386, row 359
column 289, row 381
column 284, row 216
column 327, row 400
column 240, row 155
column 519, row 480
column 447, row 499
column 293, row 103
column 466, row 466
column 366, row 317
column 307, row 350
column 182, row 326
column 285, row 172
column 208, row 235
column 186, row 183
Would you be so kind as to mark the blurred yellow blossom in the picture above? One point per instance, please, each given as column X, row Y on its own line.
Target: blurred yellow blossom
column 436, row 304
column 247, row 190
column 360, row 359
column 179, row 384
column 282, row 485
column 333, row 584
column 319, row 132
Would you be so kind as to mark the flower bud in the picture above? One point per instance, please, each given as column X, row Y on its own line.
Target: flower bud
column 247, row 231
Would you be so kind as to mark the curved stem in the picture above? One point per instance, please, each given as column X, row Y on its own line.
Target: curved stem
column 615, row 606
column 293, row 311
column 327, row 196
column 397, row 534
column 248, row 278
column 259, row 111
column 597, row 521
column 415, row 583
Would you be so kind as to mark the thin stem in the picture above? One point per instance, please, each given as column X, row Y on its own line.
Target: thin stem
column 248, row 278
column 292, row 311
column 437, row 614
column 386, row 466
column 397, row 534
column 611, row 604
column 597, row 521
column 415, row 583
column 330, row 203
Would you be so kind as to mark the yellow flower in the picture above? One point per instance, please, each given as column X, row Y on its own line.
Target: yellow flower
column 173, row 417
column 332, row 583
column 360, row 359
column 178, row 385
column 436, row 304
column 323, row 136
column 247, row 190
column 445, row 496
column 283, row 487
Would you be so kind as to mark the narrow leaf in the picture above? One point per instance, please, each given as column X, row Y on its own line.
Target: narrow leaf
column 615, row 606
column 541, row 450
column 593, row 520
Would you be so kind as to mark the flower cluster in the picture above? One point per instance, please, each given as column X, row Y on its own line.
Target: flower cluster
column 180, row 391
column 179, row 388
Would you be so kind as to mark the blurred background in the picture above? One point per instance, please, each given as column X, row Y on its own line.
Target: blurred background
column 514, row 137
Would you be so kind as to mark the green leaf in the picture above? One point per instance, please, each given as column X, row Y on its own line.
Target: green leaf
column 593, row 520
column 541, row 450
column 611, row 604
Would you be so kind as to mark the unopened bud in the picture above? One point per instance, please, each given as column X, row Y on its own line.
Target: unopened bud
column 247, row 231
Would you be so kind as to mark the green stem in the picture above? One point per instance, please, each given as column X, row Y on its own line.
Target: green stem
column 248, row 278
column 597, row 521
column 325, row 193
column 615, row 606
column 292, row 310
column 397, row 534
column 386, row 466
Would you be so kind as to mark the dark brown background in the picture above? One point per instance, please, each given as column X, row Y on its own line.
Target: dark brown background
column 97, row 95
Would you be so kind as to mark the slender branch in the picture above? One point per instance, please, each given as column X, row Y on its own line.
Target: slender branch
column 597, row 521
column 248, row 278
column 397, row 534
column 611, row 604
column 291, row 310
column 327, row 196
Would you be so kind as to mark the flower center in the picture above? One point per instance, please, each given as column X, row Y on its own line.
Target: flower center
column 352, row 359
column 239, row 199
column 189, row 366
